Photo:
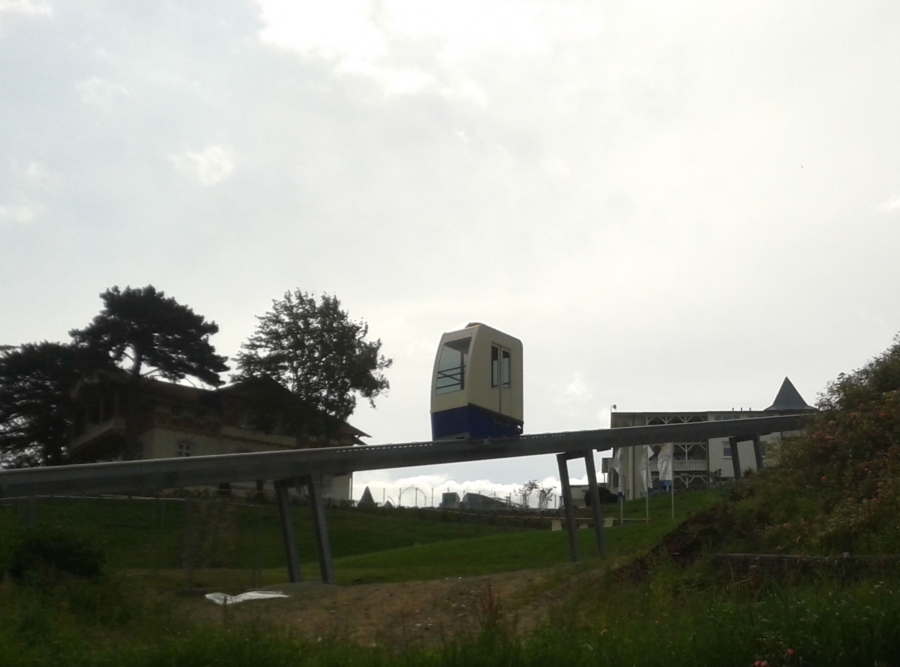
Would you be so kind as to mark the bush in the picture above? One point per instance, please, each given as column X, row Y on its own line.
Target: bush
column 42, row 557
column 836, row 487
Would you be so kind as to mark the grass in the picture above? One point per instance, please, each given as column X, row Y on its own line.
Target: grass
column 144, row 537
column 673, row 616
column 523, row 550
column 149, row 534
column 438, row 552
column 662, row 620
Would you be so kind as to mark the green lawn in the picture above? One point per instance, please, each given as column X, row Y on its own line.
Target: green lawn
column 149, row 534
column 146, row 538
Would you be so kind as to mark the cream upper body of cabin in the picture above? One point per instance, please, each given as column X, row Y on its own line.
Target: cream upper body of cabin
column 489, row 379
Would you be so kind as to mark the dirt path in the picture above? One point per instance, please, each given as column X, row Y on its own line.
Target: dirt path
column 405, row 613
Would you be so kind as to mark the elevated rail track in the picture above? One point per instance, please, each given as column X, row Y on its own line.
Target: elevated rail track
column 306, row 466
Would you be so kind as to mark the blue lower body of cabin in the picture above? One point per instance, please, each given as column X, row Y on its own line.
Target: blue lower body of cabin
column 473, row 422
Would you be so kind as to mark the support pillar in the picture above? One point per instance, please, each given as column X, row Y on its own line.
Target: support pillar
column 572, row 529
column 594, row 494
column 282, row 489
column 323, row 542
column 757, row 452
column 735, row 457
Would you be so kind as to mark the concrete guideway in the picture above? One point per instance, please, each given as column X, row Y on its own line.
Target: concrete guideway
column 155, row 474
column 306, row 466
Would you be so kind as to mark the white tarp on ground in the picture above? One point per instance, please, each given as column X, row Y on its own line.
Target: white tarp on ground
column 664, row 461
column 222, row 598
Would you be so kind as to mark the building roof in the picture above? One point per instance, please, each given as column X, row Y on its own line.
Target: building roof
column 789, row 398
column 210, row 398
column 367, row 498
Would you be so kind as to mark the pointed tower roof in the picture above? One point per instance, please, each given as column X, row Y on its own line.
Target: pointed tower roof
column 789, row 398
column 367, row 498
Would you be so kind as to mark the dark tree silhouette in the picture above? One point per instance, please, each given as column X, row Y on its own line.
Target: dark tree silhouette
column 156, row 335
column 314, row 350
column 36, row 381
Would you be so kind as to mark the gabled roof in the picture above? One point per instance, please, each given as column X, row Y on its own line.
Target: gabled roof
column 789, row 398
column 210, row 398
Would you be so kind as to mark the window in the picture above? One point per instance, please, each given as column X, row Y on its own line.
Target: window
column 495, row 366
column 451, row 373
column 504, row 369
column 726, row 449
column 185, row 448
column 500, row 372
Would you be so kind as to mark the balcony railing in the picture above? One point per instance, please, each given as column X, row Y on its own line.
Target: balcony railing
column 682, row 466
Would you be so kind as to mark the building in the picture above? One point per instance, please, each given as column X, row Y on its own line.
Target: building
column 696, row 465
column 450, row 500
column 174, row 420
column 479, row 501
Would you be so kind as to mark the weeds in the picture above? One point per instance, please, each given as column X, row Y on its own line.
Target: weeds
column 490, row 610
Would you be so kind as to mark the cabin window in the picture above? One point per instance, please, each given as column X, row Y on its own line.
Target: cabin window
column 504, row 369
column 451, row 373
column 499, row 367
column 495, row 365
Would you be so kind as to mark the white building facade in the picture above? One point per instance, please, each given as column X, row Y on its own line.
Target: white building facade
column 699, row 464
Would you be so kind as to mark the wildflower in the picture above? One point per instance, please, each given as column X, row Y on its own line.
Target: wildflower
column 790, row 652
column 824, row 478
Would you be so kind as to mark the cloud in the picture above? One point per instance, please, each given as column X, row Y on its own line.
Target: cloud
column 407, row 489
column 334, row 30
column 573, row 394
column 25, row 8
column 100, row 93
column 210, row 166
column 37, row 175
column 17, row 215
column 380, row 40
column 891, row 204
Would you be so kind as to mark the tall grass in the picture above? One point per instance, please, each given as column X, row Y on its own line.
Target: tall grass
column 664, row 620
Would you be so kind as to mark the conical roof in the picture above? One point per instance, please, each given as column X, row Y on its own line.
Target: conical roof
column 789, row 398
column 367, row 498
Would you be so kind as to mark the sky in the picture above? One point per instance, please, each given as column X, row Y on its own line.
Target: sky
column 674, row 205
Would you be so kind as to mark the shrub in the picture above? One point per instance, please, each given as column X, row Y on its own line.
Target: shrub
column 42, row 557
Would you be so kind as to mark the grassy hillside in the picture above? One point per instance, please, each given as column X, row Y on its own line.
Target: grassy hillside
column 150, row 534
column 836, row 488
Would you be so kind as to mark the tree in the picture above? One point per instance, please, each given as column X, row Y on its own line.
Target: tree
column 526, row 490
column 314, row 350
column 151, row 331
column 545, row 495
column 36, row 380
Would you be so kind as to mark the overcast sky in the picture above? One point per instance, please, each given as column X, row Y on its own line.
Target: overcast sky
column 673, row 204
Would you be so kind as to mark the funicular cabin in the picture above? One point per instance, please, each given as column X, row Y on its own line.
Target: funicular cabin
column 476, row 389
